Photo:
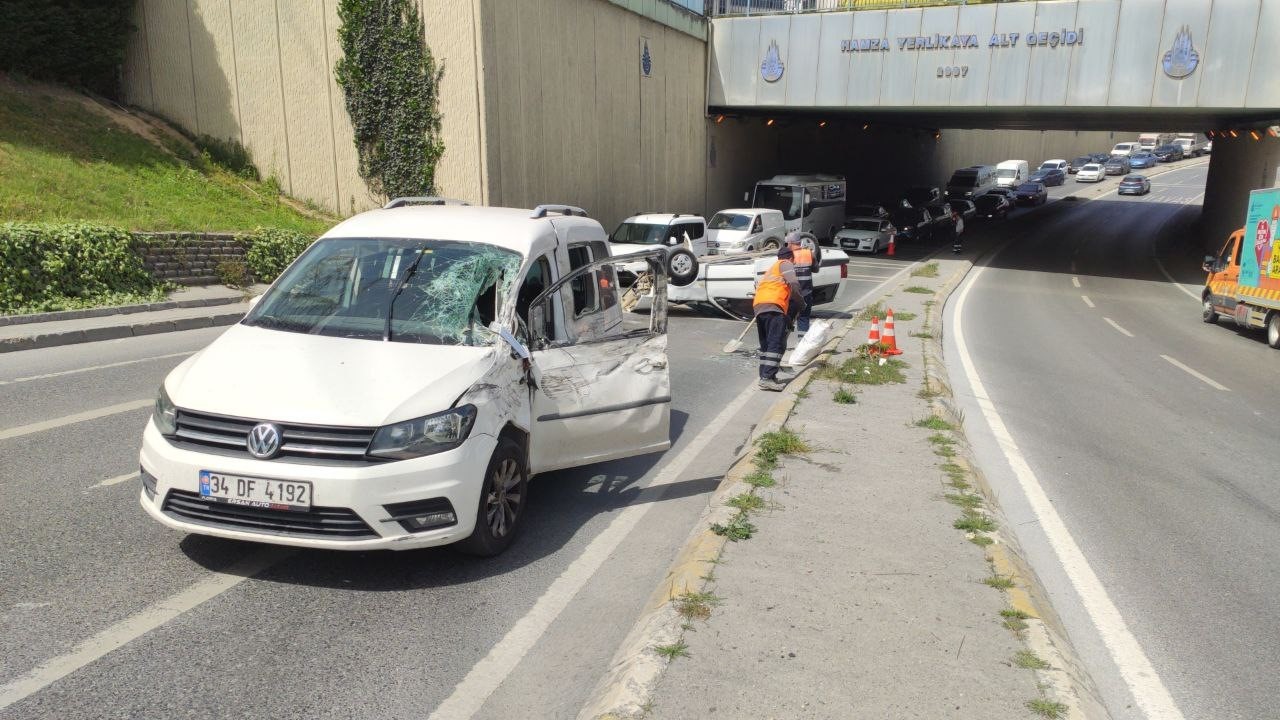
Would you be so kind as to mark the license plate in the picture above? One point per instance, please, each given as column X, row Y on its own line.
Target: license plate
column 255, row 492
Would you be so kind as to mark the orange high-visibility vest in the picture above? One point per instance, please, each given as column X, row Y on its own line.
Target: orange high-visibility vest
column 803, row 258
column 773, row 289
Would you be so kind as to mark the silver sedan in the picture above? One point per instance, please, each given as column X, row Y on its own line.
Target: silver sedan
column 864, row 235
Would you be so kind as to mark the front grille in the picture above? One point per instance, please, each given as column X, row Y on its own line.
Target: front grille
column 229, row 434
column 318, row 522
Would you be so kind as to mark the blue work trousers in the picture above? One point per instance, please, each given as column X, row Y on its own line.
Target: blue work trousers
column 772, row 327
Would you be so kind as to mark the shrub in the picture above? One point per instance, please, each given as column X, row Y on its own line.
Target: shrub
column 230, row 154
column 233, row 273
column 77, row 42
column 271, row 250
column 51, row 266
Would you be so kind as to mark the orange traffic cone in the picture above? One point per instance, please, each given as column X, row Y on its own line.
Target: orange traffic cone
column 889, row 339
column 891, row 252
column 873, row 337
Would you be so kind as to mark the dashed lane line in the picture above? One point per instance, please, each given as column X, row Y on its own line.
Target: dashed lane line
column 1139, row 675
column 85, row 416
column 115, row 480
column 1197, row 374
column 122, row 363
column 1087, row 301
column 1119, row 329
column 1075, row 281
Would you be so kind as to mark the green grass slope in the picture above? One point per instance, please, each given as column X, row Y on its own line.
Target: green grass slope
column 62, row 159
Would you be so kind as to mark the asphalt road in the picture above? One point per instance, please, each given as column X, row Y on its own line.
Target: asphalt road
column 106, row 614
column 1153, row 438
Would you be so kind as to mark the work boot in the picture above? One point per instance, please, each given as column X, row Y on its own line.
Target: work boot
column 772, row 384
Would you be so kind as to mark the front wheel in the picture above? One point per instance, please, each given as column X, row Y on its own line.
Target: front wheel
column 502, row 501
column 682, row 267
column 1273, row 329
column 771, row 244
column 1208, row 314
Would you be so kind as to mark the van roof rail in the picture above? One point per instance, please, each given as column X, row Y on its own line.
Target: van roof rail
column 423, row 200
column 542, row 210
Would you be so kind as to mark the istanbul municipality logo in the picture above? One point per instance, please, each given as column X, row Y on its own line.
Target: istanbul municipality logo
column 1182, row 58
column 771, row 68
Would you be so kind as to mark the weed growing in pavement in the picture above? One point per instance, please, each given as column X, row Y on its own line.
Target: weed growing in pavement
column 919, row 290
column 999, row 582
column 1015, row 613
column 1014, row 620
column 924, row 335
column 904, row 316
column 760, row 479
column 696, row 605
column 968, row 502
column 930, row 303
column 773, row 445
column 928, row 393
column 875, row 309
column 866, row 371
column 1028, row 660
column 746, row 501
column 930, row 271
column 933, row 422
column 844, row 397
column 803, row 392
column 974, row 522
column 940, row 439
column 672, row 651
column 739, row 528
column 981, row 540
column 1047, row 708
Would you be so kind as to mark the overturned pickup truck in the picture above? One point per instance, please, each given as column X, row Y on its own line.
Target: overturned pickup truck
column 400, row 382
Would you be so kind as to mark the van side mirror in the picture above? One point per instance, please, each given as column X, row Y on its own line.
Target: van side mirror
column 1207, row 265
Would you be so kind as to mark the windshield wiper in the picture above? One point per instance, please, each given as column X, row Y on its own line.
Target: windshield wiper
column 422, row 251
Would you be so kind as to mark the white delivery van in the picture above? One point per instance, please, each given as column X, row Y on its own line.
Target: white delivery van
column 740, row 230
column 1012, row 173
column 399, row 383
column 1125, row 149
column 1150, row 141
column 808, row 203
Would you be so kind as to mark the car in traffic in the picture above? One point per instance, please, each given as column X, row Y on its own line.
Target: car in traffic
column 1055, row 165
column 645, row 230
column 1116, row 166
column 1006, row 193
column 399, row 383
column 966, row 208
column 1100, row 157
column 1049, row 176
column 741, row 230
column 940, row 216
column 918, row 195
column 1012, row 173
column 1168, row 153
column 992, row 206
column 912, row 224
column 1031, row 193
column 866, row 210
column 1080, row 162
column 1092, row 172
column 865, row 234
column 1134, row 185
column 1142, row 160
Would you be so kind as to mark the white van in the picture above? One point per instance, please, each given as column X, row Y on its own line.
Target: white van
column 399, row 383
column 1125, row 149
column 1011, row 173
column 739, row 230
column 1150, row 141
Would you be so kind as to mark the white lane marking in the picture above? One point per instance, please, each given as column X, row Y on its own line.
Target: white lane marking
column 135, row 626
column 484, row 678
column 1196, row 374
column 892, row 278
column 851, row 276
column 1116, row 325
column 46, row 376
column 72, row 419
column 1135, row 668
column 1075, row 281
column 1087, row 301
column 115, row 480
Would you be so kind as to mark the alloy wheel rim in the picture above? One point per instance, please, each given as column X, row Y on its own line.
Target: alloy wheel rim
column 681, row 264
column 505, row 499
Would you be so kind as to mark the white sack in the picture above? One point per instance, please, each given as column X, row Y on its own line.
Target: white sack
column 809, row 346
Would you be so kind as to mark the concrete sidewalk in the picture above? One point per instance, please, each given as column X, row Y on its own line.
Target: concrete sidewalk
column 185, row 309
column 856, row 595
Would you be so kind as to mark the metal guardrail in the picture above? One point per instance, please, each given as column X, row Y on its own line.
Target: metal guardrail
column 723, row 8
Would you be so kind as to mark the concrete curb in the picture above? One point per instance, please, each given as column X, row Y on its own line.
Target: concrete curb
column 112, row 332
column 7, row 320
column 635, row 670
column 1066, row 680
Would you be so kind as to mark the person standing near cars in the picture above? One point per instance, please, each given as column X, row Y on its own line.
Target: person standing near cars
column 806, row 265
column 775, row 292
column 957, row 230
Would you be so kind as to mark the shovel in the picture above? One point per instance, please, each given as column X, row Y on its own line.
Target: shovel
column 733, row 345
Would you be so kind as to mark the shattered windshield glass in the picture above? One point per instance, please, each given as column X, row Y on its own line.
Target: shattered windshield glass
column 417, row 291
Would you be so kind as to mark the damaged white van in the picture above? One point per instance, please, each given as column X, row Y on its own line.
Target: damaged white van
column 405, row 376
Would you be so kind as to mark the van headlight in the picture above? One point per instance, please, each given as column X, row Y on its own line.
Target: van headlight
column 425, row 435
column 165, row 414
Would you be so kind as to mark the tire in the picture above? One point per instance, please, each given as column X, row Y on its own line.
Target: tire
column 502, row 502
column 771, row 244
column 682, row 266
column 1273, row 329
column 1207, row 313
column 812, row 244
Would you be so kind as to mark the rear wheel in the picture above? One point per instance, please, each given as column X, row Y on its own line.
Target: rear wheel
column 1208, row 314
column 682, row 267
column 1273, row 329
column 502, row 501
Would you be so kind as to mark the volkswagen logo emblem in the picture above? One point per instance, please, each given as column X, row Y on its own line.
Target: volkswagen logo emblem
column 264, row 441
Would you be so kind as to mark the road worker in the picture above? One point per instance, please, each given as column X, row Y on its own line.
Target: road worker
column 776, row 290
column 806, row 265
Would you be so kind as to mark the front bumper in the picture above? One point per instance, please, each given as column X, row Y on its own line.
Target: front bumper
column 456, row 475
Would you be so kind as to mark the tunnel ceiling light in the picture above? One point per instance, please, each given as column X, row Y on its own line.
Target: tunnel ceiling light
column 768, row 122
column 1274, row 131
column 822, row 123
column 1234, row 134
column 1254, row 134
column 1208, row 134
column 719, row 119
column 866, row 125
